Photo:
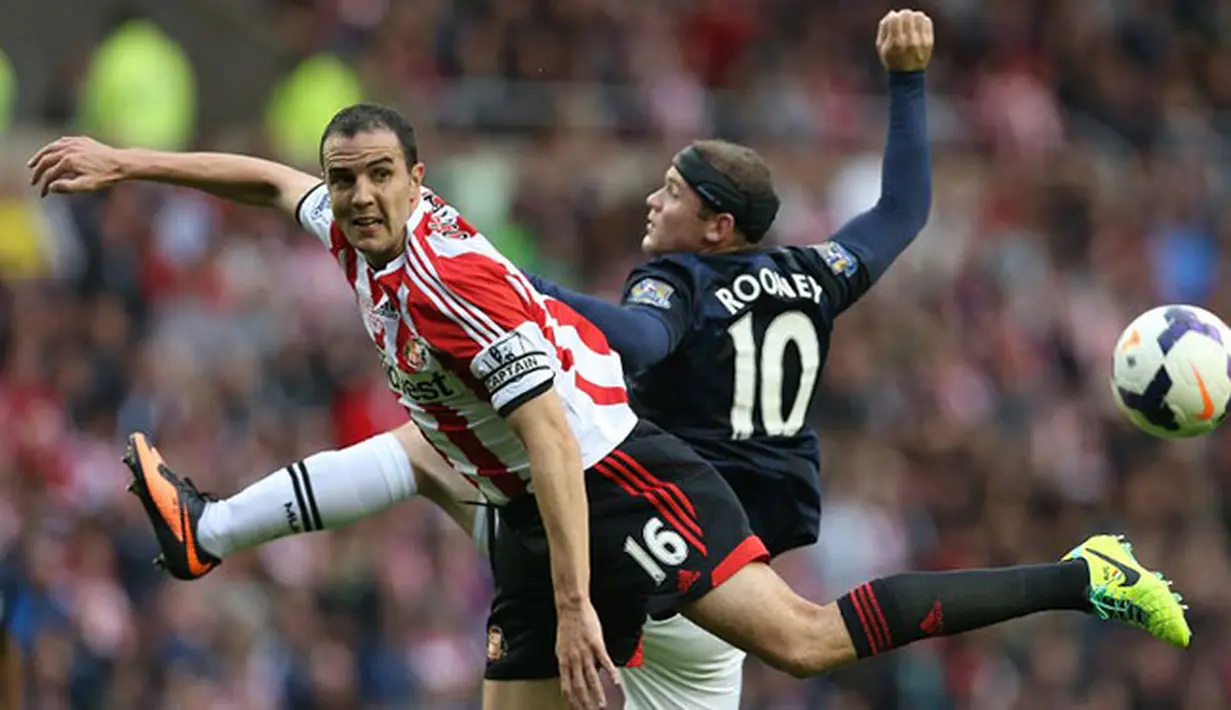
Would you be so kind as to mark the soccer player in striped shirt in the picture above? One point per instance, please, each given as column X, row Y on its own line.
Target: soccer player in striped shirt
column 491, row 374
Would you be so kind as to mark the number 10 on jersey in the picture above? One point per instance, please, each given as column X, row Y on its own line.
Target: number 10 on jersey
column 762, row 367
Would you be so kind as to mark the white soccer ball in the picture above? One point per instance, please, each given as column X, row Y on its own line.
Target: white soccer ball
column 1171, row 373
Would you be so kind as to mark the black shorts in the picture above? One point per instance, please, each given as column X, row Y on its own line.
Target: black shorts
column 665, row 528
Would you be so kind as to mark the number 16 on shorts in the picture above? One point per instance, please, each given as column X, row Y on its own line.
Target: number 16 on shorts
column 662, row 546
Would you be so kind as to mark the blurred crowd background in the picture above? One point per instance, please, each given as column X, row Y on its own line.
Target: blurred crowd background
column 1080, row 158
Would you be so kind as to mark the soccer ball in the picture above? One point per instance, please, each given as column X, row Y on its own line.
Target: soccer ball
column 1171, row 373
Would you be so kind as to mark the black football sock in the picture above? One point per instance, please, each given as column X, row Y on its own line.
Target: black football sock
column 894, row 611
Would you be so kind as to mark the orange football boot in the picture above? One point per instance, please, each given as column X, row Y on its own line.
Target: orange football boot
column 174, row 507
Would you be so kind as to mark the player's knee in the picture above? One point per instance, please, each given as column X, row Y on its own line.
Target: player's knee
column 816, row 640
column 757, row 611
column 795, row 662
column 791, row 647
column 799, row 666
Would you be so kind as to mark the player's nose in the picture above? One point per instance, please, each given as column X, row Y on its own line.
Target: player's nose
column 363, row 195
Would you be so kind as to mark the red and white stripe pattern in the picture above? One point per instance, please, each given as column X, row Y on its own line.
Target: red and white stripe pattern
column 463, row 335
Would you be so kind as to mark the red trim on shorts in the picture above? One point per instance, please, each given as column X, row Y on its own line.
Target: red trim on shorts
column 641, row 479
column 748, row 551
column 638, row 657
column 655, row 497
column 656, row 482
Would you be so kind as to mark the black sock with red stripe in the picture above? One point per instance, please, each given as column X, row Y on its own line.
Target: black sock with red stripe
column 895, row 611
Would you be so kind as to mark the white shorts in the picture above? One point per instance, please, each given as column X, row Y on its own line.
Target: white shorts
column 685, row 668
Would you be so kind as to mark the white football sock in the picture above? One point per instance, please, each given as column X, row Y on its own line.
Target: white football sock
column 326, row 490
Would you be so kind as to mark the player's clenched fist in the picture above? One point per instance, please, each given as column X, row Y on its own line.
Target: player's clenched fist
column 904, row 40
column 75, row 164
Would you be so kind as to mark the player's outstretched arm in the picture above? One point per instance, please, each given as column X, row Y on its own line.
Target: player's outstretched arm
column 80, row 164
column 559, row 487
column 642, row 336
column 877, row 237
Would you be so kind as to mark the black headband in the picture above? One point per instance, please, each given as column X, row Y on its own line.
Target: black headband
column 753, row 214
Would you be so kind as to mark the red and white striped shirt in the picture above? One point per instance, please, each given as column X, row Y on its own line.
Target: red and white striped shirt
column 465, row 338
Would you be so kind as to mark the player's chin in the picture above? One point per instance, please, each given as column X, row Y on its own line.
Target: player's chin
column 369, row 240
column 649, row 244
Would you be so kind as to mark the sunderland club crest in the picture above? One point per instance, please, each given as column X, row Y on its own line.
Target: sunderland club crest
column 416, row 354
column 495, row 643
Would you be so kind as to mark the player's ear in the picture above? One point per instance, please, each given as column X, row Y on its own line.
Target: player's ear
column 416, row 174
column 721, row 231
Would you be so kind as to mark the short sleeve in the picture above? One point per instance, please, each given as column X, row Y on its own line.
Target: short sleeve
column 482, row 316
column 315, row 215
column 515, row 368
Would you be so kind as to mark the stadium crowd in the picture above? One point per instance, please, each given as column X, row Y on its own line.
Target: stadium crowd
column 1080, row 153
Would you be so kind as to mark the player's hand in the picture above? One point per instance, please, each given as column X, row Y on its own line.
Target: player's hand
column 76, row 164
column 581, row 652
column 904, row 40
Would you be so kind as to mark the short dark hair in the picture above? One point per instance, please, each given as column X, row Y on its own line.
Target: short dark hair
column 365, row 117
column 749, row 172
column 743, row 166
